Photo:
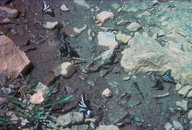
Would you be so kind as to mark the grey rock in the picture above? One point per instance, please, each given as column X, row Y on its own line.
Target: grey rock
column 178, row 87
column 50, row 25
column 70, row 118
column 116, row 114
column 129, row 7
column 184, row 90
column 177, row 125
column 106, row 57
column 190, row 115
column 82, row 3
column 64, row 8
column 134, row 26
column 145, row 54
column 79, row 127
column 8, row 12
column 189, row 95
column 133, row 101
column 14, row 119
column 107, row 127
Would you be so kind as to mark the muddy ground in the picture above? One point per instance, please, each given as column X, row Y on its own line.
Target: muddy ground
column 147, row 113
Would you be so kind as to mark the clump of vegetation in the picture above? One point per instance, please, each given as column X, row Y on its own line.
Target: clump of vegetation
column 31, row 115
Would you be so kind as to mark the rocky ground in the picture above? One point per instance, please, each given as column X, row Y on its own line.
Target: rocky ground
column 107, row 50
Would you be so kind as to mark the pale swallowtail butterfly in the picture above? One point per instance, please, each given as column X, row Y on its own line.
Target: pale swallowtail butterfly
column 167, row 76
column 46, row 8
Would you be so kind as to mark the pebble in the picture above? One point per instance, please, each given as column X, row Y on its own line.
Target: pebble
column 107, row 127
column 178, row 87
column 168, row 126
column 189, row 95
column 79, row 30
column 123, row 38
column 122, row 22
column 64, row 8
column 134, row 26
column 182, row 104
column 82, row 3
column 190, row 115
column 177, row 125
column 106, row 93
column 104, row 16
column 66, row 69
column 50, row 25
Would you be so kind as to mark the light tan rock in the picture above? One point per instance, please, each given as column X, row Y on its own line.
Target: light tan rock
column 107, row 39
column 106, row 93
column 122, row 38
column 37, row 98
column 134, row 26
column 104, row 16
column 66, row 69
column 50, row 25
column 79, row 30
column 184, row 90
column 13, row 61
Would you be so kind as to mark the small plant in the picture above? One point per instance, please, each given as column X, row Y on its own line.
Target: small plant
column 37, row 115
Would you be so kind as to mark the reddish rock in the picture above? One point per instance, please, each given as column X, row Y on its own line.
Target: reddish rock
column 49, row 78
column 8, row 12
column 13, row 61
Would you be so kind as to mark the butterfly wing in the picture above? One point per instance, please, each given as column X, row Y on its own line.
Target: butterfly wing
column 81, row 106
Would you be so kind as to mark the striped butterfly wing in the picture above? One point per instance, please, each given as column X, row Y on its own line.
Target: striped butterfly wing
column 167, row 76
column 46, row 8
column 81, row 106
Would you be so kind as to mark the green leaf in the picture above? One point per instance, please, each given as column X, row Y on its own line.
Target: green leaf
column 14, row 101
column 3, row 120
column 40, row 112
column 32, row 118
column 59, row 101
column 4, row 111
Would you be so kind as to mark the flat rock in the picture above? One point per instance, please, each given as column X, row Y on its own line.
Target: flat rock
column 123, row 38
column 183, row 104
column 133, row 101
column 66, row 69
column 13, row 61
column 177, row 125
column 145, row 54
column 116, row 114
column 106, row 93
column 8, row 12
column 79, row 127
column 97, row 63
column 184, row 90
column 82, row 3
column 104, row 16
column 69, row 119
column 49, row 78
column 107, row 39
column 168, row 126
column 70, row 32
column 107, row 127
column 178, row 87
column 50, row 25
column 122, row 22
column 129, row 7
column 161, row 94
column 134, row 26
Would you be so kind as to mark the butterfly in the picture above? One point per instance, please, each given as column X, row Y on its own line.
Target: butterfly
column 46, row 8
column 153, row 77
column 158, row 85
column 82, row 106
column 167, row 76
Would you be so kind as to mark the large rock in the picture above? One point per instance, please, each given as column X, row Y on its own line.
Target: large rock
column 145, row 55
column 107, row 39
column 104, row 16
column 13, row 61
column 177, row 125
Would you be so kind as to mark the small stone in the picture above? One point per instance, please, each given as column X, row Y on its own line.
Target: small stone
column 107, row 39
column 2, row 99
column 106, row 93
column 165, row 23
column 64, row 8
column 65, row 69
column 134, row 26
column 49, row 78
column 104, row 16
column 122, row 22
column 160, row 33
column 79, row 127
column 178, row 87
column 8, row 12
column 37, row 98
column 168, row 126
column 79, row 30
column 50, row 25
column 122, row 38
column 82, row 3
column 14, row 119
column 184, row 90
column 177, row 125
column 182, row 104
column 107, row 127
column 190, row 115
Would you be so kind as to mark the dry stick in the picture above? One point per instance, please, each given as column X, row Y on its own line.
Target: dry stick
column 75, row 58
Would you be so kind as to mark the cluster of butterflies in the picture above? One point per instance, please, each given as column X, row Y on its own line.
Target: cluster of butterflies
column 82, row 106
column 165, row 77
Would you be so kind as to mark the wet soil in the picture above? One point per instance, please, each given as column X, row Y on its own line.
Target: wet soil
column 149, row 113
